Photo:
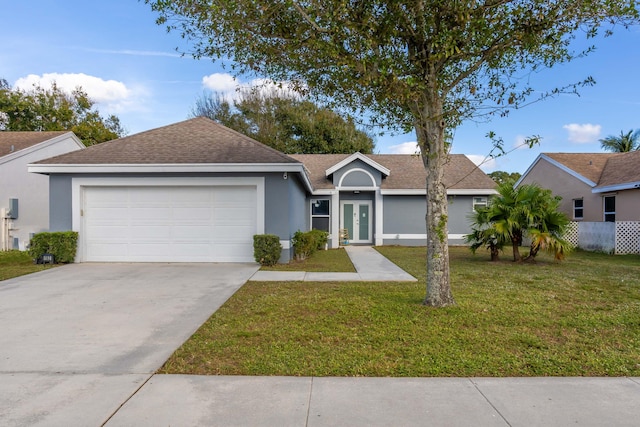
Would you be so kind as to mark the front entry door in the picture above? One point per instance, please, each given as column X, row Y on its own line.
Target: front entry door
column 355, row 217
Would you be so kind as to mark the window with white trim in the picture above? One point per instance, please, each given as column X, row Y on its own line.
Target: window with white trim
column 578, row 208
column 609, row 208
column 320, row 215
column 479, row 202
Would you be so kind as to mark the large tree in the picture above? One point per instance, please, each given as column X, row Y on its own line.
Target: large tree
column 624, row 143
column 51, row 109
column 425, row 65
column 285, row 122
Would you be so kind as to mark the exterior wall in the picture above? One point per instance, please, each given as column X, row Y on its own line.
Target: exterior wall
column 357, row 178
column 460, row 208
column 60, row 194
column 298, row 216
column 628, row 205
column 568, row 187
column 404, row 219
column 31, row 190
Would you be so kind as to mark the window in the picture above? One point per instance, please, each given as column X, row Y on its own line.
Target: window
column 610, row 208
column 479, row 202
column 578, row 208
column 320, row 218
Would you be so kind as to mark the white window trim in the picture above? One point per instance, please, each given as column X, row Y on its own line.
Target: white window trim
column 311, row 215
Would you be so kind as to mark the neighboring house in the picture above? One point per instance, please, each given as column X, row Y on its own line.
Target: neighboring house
column 24, row 197
column 198, row 191
column 594, row 187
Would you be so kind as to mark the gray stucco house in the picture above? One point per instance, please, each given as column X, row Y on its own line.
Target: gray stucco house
column 24, row 197
column 196, row 191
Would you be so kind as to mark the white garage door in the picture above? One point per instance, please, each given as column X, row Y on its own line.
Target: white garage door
column 169, row 224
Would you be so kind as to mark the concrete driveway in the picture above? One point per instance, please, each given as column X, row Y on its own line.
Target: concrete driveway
column 77, row 341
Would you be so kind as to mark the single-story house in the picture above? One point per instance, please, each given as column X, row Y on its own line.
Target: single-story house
column 594, row 187
column 24, row 197
column 198, row 191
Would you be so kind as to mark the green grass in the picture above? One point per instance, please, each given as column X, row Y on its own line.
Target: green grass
column 16, row 263
column 330, row 260
column 576, row 318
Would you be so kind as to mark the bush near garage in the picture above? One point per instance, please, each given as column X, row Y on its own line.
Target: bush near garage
column 61, row 244
column 266, row 249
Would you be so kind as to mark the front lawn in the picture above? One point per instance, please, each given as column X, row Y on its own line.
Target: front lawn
column 576, row 318
column 330, row 260
column 16, row 263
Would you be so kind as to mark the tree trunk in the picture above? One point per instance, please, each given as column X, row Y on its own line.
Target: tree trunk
column 515, row 243
column 495, row 253
column 430, row 131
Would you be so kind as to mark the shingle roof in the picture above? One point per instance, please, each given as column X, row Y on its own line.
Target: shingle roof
column 621, row 169
column 198, row 140
column 11, row 141
column 407, row 171
column 604, row 169
column 589, row 165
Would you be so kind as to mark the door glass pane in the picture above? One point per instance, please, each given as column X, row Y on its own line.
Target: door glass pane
column 364, row 222
column 348, row 219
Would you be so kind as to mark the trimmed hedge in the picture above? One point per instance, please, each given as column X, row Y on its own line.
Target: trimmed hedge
column 307, row 242
column 266, row 249
column 61, row 244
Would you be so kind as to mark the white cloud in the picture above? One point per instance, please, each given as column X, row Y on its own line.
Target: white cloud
column 404, row 148
column 224, row 84
column 584, row 133
column 111, row 96
column 99, row 90
column 485, row 163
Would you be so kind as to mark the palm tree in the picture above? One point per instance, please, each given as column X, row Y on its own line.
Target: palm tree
column 484, row 234
column 528, row 210
column 624, row 143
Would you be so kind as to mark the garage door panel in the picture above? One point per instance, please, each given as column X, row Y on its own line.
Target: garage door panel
column 169, row 224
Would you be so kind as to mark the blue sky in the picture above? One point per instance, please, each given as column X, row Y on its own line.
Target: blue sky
column 129, row 65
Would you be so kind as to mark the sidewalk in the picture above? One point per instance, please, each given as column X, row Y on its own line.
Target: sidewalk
column 184, row 400
column 371, row 266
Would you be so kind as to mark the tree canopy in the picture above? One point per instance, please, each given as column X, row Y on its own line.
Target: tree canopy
column 426, row 65
column 286, row 123
column 624, row 143
column 42, row 109
column 501, row 177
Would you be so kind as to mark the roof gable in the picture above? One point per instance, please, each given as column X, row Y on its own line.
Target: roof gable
column 354, row 157
column 195, row 141
column 587, row 165
column 12, row 141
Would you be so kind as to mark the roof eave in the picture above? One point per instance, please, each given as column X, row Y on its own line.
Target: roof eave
column 357, row 156
column 617, row 187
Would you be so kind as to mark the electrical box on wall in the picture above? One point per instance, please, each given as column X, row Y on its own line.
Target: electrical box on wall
column 13, row 209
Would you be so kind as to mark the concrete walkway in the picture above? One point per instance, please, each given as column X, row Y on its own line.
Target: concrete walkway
column 192, row 400
column 371, row 266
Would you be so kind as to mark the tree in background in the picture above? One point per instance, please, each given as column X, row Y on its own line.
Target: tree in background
column 422, row 65
column 41, row 109
column 501, row 177
column 624, row 143
column 515, row 213
column 286, row 123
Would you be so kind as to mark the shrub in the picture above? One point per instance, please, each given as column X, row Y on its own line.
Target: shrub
column 320, row 237
column 61, row 244
column 266, row 249
column 307, row 242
